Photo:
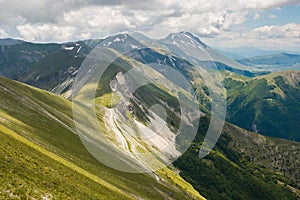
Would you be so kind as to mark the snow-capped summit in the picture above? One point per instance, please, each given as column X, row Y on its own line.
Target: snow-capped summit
column 122, row 43
column 184, row 38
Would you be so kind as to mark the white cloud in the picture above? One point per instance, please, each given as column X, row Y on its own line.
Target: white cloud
column 285, row 37
column 97, row 19
column 62, row 20
column 272, row 16
column 3, row 34
column 291, row 30
column 46, row 32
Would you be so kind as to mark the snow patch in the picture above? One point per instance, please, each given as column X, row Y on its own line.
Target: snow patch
column 117, row 40
column 134, row 46
column 79, row 49
column 75, row 72
column 171, row 59
column 68, row 48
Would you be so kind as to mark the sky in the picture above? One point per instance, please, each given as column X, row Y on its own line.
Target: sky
column 266, row 24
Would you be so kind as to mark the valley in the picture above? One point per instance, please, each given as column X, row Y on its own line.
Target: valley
column 256, row 158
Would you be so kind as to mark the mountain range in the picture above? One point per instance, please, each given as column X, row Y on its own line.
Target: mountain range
column 249, row 51
column 274, row 62
column 54, row 164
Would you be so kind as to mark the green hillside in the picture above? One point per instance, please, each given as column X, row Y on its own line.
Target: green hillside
column 243, row 165
column 41, row 156
column 267, row 104
column 16, row 59
column 273, row 62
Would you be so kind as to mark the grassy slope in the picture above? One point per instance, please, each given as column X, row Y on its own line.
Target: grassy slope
column 44, row 177
column 49, row 159
column 254, row 104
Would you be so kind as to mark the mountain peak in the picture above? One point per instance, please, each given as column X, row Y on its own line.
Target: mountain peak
column 185, row 36
column 122, row 42
column 121, row 37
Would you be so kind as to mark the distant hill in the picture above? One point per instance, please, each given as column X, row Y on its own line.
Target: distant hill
column 274, row 62
column 268, row 104
column 246, row 52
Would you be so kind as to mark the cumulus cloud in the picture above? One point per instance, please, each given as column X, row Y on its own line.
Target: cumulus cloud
column 98, row 19
column 63, row 20
column 291, row 30
column 285, row 37
column 46, row 32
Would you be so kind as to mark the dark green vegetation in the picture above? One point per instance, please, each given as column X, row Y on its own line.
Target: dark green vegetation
column 268, row 105
column 227, row 173
column 42, row 156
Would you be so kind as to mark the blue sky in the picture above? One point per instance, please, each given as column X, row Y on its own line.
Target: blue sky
column 281, row 23
column 275, row 16
column 270, row 24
